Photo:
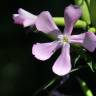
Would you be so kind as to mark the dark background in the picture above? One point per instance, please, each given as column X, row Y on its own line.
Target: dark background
column 20, row 73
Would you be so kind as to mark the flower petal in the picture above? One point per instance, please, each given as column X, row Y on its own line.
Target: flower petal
column 62, row 65
column 78, row 39
column 90, row 41
column 44, row 51
column 71, row 15
column 87, row 40
column 46, row 24
column 25, row 18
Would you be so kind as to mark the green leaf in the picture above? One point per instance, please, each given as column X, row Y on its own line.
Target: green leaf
column 85, row 10
column 49, row 84
column 76, row 69
column 89, row 61
column 76, row 60
column 45, row 86
column 94, row 66
column 91, row 66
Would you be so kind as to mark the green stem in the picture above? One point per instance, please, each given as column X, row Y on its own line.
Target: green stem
column 92, row 9
column 84, row 87
column 88, row 2
column 85, row 11
column 60, row 22
column 92, row 29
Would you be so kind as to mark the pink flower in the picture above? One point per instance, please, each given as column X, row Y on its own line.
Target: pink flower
column 24, row 18
column 45, row 23
column 27, row 19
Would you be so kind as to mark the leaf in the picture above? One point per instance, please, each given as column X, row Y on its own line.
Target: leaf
column 91, row 66
column 45, row 86
column 49, row 84
column 94, row 66
column 76, row 60
column 76, row 69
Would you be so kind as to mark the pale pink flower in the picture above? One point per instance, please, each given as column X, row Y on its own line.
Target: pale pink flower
column 45, row 23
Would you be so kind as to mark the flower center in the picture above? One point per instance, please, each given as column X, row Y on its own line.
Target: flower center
column 63, row 39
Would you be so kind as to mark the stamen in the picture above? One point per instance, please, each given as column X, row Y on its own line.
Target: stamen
column 63, row 39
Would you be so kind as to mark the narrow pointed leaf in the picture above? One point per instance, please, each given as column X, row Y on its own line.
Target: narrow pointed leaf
column 94, row 65
column 91, row 66
column 45, row 86
column 49, row 84
column 76, row 60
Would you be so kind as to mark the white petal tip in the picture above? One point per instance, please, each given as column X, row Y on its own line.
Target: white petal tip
column 60, row 72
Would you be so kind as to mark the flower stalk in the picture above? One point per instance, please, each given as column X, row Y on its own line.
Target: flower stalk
column 84, row 87
column 92, row 29
column 84, row 9
column 60, row 22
